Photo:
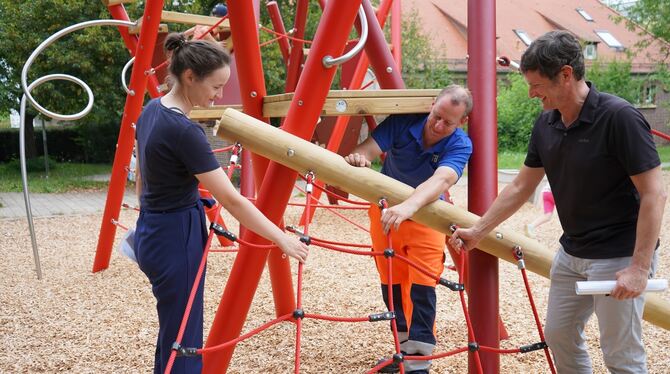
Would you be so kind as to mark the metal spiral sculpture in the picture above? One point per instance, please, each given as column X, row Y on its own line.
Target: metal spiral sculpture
column 27, row 88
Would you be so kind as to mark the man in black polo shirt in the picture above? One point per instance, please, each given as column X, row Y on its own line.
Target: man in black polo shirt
column 603, row 168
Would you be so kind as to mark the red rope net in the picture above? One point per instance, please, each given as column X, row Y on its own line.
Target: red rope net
column 388, row 315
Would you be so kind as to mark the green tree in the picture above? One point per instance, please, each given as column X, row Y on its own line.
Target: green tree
column 516, row 113
column 654, row 17
column 96, row 55
column 420, row 67
column 615, row 77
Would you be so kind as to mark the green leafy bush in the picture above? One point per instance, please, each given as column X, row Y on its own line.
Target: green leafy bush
column 516, row 114
column 32, row 165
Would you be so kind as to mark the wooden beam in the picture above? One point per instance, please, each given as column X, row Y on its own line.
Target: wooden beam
column 346, row 94
column 135, row 30
column 303, row 156
column 116, row 2
column 194, row 19
column 359, row 106
column 213, row 112
column 353, row 103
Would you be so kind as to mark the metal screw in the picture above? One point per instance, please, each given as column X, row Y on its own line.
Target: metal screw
column 499, row 235
column 253, row 94
column 290, row 152
column 299, row 102
column 389, row 69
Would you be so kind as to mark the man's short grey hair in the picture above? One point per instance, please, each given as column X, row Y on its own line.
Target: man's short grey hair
column 458, row 95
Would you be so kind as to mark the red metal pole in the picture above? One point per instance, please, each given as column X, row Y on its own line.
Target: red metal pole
column 482, row 179
column 396, row 33
column 252, row 88
column 389, row 76
column 278, row 183
column 296, row 57
column 118, row 12
column 126, row 141
column 278, row 25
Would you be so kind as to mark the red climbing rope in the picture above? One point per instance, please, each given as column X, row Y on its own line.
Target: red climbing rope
column 660, row 134
column 298, row 315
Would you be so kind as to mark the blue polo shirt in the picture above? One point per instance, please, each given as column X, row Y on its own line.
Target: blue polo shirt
column 401, row 137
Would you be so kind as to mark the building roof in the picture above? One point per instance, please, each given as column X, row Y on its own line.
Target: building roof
column 445, row 23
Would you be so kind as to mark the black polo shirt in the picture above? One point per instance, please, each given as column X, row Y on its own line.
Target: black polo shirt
column 588, row 166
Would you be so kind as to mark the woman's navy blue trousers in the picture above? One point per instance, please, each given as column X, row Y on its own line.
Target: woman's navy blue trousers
column 169, row 246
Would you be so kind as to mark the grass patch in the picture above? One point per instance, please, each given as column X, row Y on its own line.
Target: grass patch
column 511, row 159
column 64, row 177
column 664, row 154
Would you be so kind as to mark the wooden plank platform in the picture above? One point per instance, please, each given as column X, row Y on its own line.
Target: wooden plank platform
column 347, row 102
column 116, row 2
column 186, row 19
column 214, row 112
column 194, row 19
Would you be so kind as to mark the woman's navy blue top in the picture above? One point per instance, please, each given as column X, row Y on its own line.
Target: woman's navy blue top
column 172, row 149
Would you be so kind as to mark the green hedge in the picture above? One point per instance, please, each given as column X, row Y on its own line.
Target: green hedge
column 88, row 143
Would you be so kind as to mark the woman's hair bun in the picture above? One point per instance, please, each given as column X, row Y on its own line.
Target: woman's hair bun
column 174, row 41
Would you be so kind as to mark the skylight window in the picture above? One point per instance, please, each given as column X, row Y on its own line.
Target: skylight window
column 609, row 39
column 525, row 38
column 584, row 14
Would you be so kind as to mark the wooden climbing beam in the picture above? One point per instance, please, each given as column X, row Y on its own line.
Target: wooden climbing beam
column 213, row 112
column 186, row 19
column 194, row 19
column 135, row 30
column 350, row 102
column 116, row 2
column 303, row 156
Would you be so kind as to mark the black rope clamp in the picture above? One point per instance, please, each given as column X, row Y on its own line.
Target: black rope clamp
column 298, row 314
column 452, row 285
column 221, row 231
column 303, row 238
column 473, row 346
column 389, row 252
column 518, row 255
column 398, row 358
column 185, row 351
column 386, row 316
column 532, row 347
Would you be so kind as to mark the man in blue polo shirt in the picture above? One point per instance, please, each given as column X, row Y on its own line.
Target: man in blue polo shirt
column 599, row 157
column 429, row 153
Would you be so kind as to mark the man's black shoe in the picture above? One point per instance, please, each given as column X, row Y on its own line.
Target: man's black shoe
column 393, row 367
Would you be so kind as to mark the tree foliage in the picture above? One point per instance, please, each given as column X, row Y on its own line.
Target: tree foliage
column 654, row 17
column 96, row 55
column 615, row 77
column 516, row 113
column 420, row 67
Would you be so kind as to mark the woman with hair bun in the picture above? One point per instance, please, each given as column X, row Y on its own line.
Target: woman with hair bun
column 173, row 156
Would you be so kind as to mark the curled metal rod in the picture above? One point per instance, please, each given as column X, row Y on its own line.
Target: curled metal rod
column 27, row 97
column 329, row 61
column 123, row 77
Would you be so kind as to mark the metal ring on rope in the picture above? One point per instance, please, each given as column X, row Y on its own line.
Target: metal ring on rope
column 330, row 61
column 63, row 117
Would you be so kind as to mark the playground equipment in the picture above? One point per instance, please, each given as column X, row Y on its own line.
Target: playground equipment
column 308, row 86
column 306, row 157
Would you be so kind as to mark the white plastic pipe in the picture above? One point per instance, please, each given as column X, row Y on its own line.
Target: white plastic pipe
column 606, row 287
